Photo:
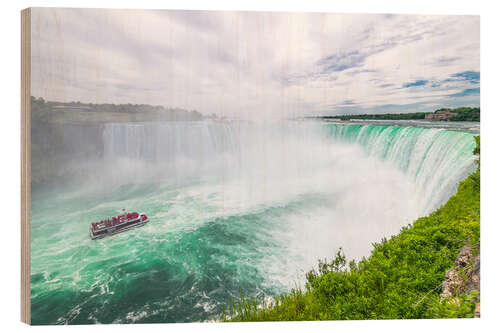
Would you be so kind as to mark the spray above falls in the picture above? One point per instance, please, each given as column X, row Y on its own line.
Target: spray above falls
column 434, row 159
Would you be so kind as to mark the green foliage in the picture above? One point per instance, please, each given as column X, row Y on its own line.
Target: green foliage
column 477, row 150
column 462, row 306
column 387, row 116
column 78, row 112
column 40, row 110
column 401, row 279
column 475, row 177
column 338, row 264
column 463, row 114
column 466, row 114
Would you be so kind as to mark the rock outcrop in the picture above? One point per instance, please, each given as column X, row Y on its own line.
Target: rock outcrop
column 464, row 276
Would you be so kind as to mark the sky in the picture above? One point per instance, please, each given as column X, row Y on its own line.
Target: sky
column 256, row 64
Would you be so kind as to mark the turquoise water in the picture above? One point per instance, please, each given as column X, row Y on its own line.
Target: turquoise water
column 234, row 208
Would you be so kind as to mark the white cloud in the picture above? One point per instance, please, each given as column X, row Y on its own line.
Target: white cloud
column 252, row 64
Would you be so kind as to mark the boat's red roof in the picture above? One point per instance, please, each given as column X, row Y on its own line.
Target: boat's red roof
column 117, row 219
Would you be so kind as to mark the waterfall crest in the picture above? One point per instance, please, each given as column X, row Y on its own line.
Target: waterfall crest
column 435, row 159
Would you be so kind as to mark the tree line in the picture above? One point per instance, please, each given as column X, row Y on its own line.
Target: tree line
column 462, row 114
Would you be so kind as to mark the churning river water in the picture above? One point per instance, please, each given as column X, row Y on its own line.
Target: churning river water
column 235, row 208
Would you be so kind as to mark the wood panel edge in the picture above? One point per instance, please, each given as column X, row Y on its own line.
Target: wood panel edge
column 25, row 164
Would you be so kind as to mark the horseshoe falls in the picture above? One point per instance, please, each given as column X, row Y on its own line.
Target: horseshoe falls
column 235, row 208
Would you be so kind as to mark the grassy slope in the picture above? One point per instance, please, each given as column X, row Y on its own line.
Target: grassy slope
column 401, row 279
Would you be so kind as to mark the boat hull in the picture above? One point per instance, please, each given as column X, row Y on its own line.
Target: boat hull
column 116, row 230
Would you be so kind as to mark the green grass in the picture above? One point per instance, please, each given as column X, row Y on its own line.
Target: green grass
column 401, row 278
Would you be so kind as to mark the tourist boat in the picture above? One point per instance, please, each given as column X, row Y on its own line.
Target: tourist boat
column 117, row 224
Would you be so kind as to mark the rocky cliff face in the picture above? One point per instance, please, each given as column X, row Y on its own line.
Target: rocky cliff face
column 464, row 276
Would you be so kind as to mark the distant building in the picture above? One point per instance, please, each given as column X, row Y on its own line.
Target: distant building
column 441, row 115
